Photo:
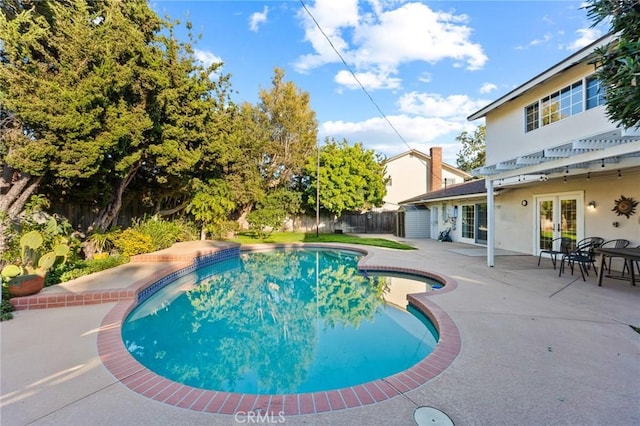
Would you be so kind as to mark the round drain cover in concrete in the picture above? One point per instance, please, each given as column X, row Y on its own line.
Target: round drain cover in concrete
column 431, row 416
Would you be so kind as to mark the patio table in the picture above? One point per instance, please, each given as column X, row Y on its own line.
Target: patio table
column 629, row 254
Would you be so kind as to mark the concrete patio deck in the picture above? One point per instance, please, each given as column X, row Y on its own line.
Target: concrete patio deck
column 536, row 349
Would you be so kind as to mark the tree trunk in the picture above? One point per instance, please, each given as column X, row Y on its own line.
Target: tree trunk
column 15, row 189
column 109, row 214
column 242, row 220
column 169, row 212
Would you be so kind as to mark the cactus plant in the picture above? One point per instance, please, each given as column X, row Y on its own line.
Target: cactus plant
column 32, row 260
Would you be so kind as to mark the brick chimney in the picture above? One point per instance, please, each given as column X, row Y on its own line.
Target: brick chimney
column 436, row 168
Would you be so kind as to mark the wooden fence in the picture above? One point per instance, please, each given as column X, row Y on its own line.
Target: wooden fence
column 81, row 216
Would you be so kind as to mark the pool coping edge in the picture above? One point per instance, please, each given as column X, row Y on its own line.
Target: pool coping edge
column 126, row 369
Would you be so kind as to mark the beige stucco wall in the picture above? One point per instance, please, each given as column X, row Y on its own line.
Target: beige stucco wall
column 409, row 175
column 445, row 219
column 515, row 224
column 506, row 137
column 410, row 178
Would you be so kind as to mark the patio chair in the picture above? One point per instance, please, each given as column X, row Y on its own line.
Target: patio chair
column 637, row 263
column 565, row 245
column 619, row 243
column 583, row 255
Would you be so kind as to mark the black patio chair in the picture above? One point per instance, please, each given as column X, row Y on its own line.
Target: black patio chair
column 564, row 246
column 583, row 255
column 625, row 268
column 618, row 243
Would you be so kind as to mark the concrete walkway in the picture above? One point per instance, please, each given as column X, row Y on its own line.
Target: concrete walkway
column 537, row 349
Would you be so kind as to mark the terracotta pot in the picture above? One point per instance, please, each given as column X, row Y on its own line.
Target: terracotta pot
column 26, row 285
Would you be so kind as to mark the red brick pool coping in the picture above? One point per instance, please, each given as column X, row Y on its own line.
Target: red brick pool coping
column 126, row 369
column 145, row 382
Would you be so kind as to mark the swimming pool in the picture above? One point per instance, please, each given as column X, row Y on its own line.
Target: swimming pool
column 280, row 322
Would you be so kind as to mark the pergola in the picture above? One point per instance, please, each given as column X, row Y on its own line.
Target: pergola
column 614, row 150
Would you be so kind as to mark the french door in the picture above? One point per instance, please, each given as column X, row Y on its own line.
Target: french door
column 481, row 223
column 559, row 215
column 474, row 223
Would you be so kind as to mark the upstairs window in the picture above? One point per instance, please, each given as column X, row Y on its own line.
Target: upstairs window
column 562, row 104
column 595, row 93
column 531, row 117
column 570, row 100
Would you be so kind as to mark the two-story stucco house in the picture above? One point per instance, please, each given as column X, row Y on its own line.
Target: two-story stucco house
column 410, row 174
column 562, row 164
column 413, row 173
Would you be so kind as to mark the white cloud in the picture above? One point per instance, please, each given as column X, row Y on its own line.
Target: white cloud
column 586, row 36
column 536, row 41
column 207, row 58
column 331, row 16
column 383, row 39
column 425, row 77
column 487, row 88
column 425, row 120
column 419, row 132
column 434, row 105
column 258, row 18
column 545, row 38
column 414, row 32
column 370, row 80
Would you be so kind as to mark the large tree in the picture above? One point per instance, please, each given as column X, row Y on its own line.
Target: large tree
column 290, row 129
column 75, row 76
column 269, row 145
column 472, row 154
column 351, row 178
column 194, row 123
column 618, row 64
column 99, row 94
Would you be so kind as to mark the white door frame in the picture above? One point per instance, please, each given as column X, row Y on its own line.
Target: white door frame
column 556, row 197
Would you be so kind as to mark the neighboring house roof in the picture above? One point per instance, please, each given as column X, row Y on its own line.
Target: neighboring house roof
column 461, row 190
column 425, row 157
column 577, row 58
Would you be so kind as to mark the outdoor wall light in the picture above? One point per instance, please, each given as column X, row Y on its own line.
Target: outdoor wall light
column 591, row 205
column 524, row 203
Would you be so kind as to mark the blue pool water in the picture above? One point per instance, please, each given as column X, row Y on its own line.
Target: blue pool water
column 281, row 321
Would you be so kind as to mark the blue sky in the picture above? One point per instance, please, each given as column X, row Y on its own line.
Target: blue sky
column 427, row 65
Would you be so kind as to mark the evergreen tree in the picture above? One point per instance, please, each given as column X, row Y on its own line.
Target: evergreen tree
column 618, row 64
column 97, row 95
column 290, row 126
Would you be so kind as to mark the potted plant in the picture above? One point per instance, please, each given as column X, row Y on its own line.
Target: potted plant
column 27, row 277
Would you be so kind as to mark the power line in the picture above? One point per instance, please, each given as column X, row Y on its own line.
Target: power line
column 354, row 75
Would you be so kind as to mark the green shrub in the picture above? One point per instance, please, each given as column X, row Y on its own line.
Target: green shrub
column 54, row 230
column 5, row 306
column 131, row 242
column 164, row 233
column 102, row 241
column 264, row 221
column 90, row 266
column 222, row 229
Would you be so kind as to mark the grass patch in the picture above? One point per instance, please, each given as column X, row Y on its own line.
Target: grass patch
column 300, row 237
